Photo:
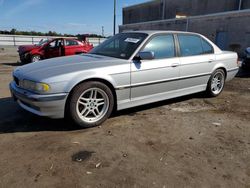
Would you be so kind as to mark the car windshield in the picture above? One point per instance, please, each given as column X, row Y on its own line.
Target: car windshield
column 120, row 46
column 42, row 42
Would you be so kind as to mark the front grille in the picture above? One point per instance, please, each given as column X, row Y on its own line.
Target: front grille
column 16, row 80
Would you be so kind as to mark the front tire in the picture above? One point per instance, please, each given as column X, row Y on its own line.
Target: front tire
column 35, row 58
column 216, row 83
column 90, row 104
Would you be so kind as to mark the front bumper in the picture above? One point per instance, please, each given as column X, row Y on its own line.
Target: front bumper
column 52, row 105
column 24, row 57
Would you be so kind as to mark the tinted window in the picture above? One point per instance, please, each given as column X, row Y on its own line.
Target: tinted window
column 71, row 43
column 55, row 43
column 42, row 42
column 162, row 46
column 190, row 45
column 122, row 45
column 52, row 44
column 207, row 48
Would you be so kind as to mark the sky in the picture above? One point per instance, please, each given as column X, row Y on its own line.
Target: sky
column 63, row 16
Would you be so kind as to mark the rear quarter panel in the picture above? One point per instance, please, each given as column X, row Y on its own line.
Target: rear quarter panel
column 224, row 59
column 227, row 60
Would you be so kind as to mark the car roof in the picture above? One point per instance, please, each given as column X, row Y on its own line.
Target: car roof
column 151, row 32
column 63, row 38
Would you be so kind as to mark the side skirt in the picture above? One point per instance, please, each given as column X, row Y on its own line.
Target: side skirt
column 159, row 97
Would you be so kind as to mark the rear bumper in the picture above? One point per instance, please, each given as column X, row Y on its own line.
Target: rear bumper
column 52, row 105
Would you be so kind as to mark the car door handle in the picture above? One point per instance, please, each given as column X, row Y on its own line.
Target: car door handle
column 210, row 60
column 175, row 65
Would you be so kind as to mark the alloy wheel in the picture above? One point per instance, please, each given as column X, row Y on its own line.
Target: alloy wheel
column 36, row 58
column 217, row 83
column 92, row 105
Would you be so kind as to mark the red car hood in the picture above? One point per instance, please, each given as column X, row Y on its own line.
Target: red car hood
column 26, row 48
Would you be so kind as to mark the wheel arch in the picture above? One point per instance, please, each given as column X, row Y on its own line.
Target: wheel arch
column 222, row 68
column 209, row 91
column 36, row 52
column 95, row 79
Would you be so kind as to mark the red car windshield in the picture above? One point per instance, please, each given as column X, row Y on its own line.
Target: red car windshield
column 42, row 42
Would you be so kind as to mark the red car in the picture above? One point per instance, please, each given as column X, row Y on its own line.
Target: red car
column 52, row 48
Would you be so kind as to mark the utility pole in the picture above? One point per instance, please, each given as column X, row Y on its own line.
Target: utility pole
column 240, row 3
column 103, row 31
column 163, row 9
column 114, row 16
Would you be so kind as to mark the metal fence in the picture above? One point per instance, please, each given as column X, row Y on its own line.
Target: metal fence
column 17, row 40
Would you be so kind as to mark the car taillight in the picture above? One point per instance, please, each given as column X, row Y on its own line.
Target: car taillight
column 238, row 62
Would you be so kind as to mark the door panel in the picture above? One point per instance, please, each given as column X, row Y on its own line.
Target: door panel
column 153, row 77
column 196, row 70
column 54, row 49
column 196, row 61
column 72, row 47
column 150, row 77
column 70, row 50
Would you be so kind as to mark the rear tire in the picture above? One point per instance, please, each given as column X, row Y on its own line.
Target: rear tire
column 90, row 104
column 216, row 83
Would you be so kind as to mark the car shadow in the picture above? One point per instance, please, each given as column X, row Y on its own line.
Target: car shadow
column 243, row 73
column 14, row 64
column 14, row 119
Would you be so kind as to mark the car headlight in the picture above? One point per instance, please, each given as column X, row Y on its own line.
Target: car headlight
column 34, row 86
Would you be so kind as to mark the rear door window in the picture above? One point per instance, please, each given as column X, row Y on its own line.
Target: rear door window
column 190, row 45
column 71, row 42
column 207, row 48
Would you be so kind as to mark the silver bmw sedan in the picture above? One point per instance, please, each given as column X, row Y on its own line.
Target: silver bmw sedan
column 127, row 70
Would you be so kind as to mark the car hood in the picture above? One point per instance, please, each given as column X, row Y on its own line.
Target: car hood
column 26, row 48
column 64, row 65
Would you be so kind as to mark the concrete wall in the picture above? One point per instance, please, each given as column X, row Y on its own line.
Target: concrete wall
column 143, row 12
column 245, row 4
column 198, row 7
column 168, row 9
column 235, row 24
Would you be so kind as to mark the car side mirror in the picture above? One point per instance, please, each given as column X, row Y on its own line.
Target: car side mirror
column 149, row 55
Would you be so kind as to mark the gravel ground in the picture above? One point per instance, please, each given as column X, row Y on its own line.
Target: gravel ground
column 190, row 141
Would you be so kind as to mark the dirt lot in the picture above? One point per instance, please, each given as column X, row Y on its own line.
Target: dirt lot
column 191, row 141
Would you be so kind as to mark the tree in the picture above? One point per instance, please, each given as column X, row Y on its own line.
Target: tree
column 13, row 31
column 49, row 33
